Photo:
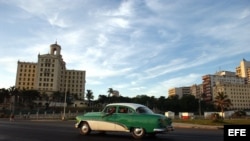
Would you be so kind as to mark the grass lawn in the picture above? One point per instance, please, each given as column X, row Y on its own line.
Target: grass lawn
column 211, row 122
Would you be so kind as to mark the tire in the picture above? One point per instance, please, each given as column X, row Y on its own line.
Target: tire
column 84, row 128
column 138, row 133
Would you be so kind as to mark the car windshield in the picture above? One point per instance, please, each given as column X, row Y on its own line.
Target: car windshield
column 144, row 110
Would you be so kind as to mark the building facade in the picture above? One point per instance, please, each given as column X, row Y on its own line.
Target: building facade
column 209, row 81
column 239, row 94
column 236, row 85
column 50, row 75
column 196, row 91
column 179, row 91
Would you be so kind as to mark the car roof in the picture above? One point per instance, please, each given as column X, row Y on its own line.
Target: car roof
column 132, row 105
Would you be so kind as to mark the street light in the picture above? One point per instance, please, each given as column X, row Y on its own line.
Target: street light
column 64, row 104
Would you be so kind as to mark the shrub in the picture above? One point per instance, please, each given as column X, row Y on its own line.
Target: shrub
column 215, row 117
column 239, row 114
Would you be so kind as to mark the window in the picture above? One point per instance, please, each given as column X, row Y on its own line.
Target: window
column 123, row 110
column 143, row 110
column 110, row 109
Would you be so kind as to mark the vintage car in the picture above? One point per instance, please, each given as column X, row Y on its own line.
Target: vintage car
column 124, row 117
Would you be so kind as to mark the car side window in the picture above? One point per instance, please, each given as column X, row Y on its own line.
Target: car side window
column 130, row 111
column 111, row 109
column 140, row 110
column 123, row 110
column 144, row 110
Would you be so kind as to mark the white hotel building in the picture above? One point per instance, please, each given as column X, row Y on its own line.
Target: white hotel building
column 50, row 75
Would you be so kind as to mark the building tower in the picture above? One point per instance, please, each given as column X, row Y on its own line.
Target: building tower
column 243, row 70
column 51, row 72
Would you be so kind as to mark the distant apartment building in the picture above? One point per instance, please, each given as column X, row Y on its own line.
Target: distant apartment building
column 196, row 91
column 179, row 91
column 209, row 81
column 236, row 85
column 239, row 94
column 50, row 75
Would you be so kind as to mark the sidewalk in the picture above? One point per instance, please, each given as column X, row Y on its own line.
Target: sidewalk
column 186, row 125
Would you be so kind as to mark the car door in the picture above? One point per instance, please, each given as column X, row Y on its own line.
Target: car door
column 108, row 119
column 123, row 118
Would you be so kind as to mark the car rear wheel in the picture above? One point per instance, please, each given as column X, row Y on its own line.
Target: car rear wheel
column 84, row 128
column 138, row 133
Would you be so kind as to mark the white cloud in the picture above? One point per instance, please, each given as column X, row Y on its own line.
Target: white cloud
column 119, row 22
column 102, row 40
column 55, row 20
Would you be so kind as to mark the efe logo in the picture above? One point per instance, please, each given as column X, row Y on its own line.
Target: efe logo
column 236, row 132
column 240, row 132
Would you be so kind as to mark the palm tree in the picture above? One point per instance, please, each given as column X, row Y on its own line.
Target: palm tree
column 89, row 96
column 110, row 92
column 29, row 96
column 222, row 102
column 13, row 92
column 4, row 94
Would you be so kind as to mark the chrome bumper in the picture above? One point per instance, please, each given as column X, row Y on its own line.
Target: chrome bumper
column 77, row 125
column 169, row 128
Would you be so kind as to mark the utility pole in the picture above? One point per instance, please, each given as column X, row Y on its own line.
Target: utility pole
column 200, row 99
column 65, row 95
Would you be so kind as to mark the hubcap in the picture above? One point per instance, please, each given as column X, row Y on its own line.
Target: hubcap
column 84, row 128
column 138, row 131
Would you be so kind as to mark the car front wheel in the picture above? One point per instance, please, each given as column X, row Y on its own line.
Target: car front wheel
column 138, row 133
column 84, row 128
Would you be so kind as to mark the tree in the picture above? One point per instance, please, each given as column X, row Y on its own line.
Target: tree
column 222, row 102
column 102, row 99
column 44, row 96
column 4, row 94
column 188, row 103
column 13, row 92
column 173, row 104
column 58, row 96
column 161, row 103
column 110, row 92
column 89, row 96
column 28, row 96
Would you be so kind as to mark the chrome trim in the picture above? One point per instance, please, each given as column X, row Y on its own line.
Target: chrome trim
column 77, row 125
column 160, row 130
column 169, row 128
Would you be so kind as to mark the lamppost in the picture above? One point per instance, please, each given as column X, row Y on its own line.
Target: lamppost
column 64, row 104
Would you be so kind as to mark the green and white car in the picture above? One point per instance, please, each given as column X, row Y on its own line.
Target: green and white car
column 124, row 117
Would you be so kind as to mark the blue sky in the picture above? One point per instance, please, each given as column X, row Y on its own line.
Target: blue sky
column 133, row 46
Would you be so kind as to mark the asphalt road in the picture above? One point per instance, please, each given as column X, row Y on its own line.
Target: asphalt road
column 26, row 130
